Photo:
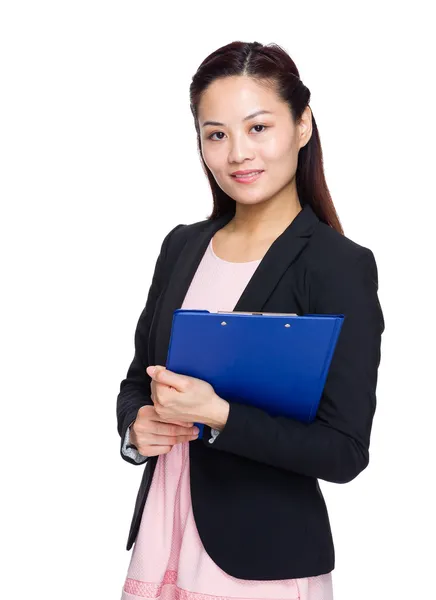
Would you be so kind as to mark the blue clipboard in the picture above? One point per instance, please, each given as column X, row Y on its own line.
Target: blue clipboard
column 277, row 362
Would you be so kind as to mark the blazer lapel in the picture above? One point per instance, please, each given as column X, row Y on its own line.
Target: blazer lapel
column 283, row 251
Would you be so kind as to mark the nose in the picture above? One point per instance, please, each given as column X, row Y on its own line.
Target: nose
column 240, row 150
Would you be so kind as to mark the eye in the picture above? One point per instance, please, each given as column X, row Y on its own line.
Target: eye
column 257, row 125
column 212, row 134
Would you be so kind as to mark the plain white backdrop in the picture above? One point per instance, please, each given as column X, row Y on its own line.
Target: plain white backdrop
column 98, row 162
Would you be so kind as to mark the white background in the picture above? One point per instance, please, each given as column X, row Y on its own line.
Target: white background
column 98, row 162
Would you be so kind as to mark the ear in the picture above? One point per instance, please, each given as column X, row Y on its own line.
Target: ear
column 305, row 127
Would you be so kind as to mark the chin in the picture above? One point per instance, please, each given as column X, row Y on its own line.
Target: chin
column 250, row 201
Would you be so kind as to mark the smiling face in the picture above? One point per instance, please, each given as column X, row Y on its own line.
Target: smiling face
column 268, row 141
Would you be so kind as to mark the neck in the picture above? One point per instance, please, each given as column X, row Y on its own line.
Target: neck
column 264, row 220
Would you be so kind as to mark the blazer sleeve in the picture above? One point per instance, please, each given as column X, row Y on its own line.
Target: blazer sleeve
column 335, row 446
column 135, row 389
column 130, row 450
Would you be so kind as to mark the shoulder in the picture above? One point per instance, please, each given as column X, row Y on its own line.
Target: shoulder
column 335, row 261
column 330, row 249
column 342, row 275
column 179, row 234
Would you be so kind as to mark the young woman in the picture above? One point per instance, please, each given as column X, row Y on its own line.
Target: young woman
column 239, row 513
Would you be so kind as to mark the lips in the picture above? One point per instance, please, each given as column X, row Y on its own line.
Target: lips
column 239, row 174
column 249, row 178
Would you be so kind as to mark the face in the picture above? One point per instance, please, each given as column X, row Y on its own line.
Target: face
column 269, row 141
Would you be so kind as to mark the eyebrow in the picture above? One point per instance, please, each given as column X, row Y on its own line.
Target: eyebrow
column 258, row 112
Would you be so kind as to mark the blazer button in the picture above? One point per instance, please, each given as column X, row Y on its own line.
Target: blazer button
column 215, row 433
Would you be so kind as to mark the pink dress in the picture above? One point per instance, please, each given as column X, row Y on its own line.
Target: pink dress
column 168, row 559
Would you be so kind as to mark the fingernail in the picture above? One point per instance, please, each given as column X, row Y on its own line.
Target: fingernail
column 196, row 430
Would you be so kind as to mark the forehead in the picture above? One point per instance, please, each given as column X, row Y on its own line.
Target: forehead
column 237, row 96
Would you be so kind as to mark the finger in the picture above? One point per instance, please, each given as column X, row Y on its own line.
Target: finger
column 161, row 440
column 161, row 374
column 157, row 450
column 175, row 422
column 158, row 419
column 169, row 429
column 181, row 423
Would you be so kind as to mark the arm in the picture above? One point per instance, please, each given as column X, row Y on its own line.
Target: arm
column 335, row 446
column 130, row 450
column 135, row 389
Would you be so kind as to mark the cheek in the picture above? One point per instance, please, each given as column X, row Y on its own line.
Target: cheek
column 214, row 161
column 281, row 160
column 277, row 149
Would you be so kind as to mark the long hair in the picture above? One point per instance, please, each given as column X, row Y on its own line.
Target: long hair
column 270, row 65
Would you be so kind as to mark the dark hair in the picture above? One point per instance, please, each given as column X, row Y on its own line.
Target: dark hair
column 270, row 65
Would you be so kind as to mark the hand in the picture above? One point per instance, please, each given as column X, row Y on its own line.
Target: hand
column 152, row 436
column 180, row 397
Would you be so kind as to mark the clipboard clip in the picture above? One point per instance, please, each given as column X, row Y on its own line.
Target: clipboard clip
column 241, row 312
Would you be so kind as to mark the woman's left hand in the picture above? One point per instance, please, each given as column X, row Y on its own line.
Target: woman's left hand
column 179, row 397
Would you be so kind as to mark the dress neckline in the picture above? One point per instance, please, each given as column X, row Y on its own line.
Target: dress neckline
column 229, row 262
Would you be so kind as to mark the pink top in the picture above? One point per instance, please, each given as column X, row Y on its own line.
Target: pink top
column 168, row 559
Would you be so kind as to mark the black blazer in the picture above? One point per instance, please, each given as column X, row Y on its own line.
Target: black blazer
column 256, row 500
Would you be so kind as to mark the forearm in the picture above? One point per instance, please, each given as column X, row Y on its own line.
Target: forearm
column 312, row 449
column 131, row 398
column 130, row 451
column 129, row 401
column 135, row 388
column 219, row 414
column 334, row 447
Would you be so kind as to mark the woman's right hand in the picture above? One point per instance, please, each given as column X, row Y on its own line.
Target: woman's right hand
column 152, row 436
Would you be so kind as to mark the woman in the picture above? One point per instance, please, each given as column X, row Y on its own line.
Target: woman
column 239, row 513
